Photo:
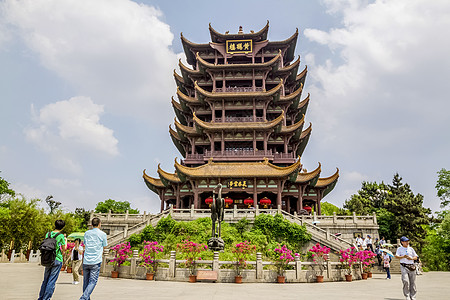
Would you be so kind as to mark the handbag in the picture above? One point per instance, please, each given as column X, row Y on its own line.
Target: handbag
column 411, row 267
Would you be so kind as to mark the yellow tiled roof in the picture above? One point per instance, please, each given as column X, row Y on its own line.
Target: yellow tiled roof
column 168, row 176
column 184, row 128
column 186, row 98
column 324, row 182
column 291, row 96
column 239, row 94
column 293, row 127
column 305, row 177
column 174, row 133
column 187, row 69
column 266, row 64
column 239, row 125
column 291, row 66
column 236, row 170
column 153, row 181
column 262, row 32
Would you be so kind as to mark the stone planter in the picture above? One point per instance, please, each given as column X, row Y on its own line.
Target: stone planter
column 69, row 269
column 238, row 279
column 364, row 276
column 281, row 279
column 319, row 278
column 348, row 277
column 369, row 275
column 114, row 274
column 149, row 276
column 192, row 278
column 63, row 268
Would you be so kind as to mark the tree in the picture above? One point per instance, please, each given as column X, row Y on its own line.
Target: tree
column 116, row 207
column 443, row 186
column 54, row 205
column 399, row 211
column 82, row 218
column 328, row 209
column 5, row 191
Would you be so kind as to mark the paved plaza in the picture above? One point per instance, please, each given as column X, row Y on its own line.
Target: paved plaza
column 22, row 281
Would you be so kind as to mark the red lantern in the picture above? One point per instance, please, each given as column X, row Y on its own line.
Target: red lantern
column 265, row 201
column 307, row 208
column 209, row 201
column 248, row 201
column 228, row 201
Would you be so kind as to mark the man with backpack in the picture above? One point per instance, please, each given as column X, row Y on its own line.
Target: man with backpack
column 52, row 259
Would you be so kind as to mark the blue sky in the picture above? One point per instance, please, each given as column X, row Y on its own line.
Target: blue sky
column 86, row 87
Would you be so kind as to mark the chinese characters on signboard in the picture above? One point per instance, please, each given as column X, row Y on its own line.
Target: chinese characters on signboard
column 239, row 46
column 237, row 184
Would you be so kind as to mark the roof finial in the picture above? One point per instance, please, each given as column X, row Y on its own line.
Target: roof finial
column 241, row 31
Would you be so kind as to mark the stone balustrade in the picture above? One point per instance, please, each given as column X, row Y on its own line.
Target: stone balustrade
column 170, row 270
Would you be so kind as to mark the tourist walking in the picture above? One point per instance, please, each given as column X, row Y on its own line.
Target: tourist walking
column 56, row 241
column 407, row 255
column 94, row 243
column 77, row 260
column 387, row 264
column 359, row 242
column 368, row 243
column 379, row 254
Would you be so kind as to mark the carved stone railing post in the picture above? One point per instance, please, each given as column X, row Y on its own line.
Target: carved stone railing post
column 278, row 209
column 354, row 218
column 259, row 266
column 13, row 256
column 144, row 215
column 329, row 270
column 334, row 218
column 133, row 261
column 172, row 264
column 125, row 231
column 215, row 265
column 298, row 267
column 256, row 210
column 192, row 210
column 235, row 211
column 126, row 215
column 171, row 210
column 327, row 233
column 374, row 218
column 109, row 215
column 104, row 260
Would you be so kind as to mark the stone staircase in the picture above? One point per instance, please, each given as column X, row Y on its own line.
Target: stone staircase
column 318, row 235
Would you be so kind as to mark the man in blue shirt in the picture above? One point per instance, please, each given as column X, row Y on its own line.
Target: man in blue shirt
column 94, row 243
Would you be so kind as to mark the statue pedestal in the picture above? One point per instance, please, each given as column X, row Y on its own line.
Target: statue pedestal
column 216, row 244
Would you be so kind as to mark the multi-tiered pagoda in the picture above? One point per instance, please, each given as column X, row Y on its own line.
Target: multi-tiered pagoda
column 240, row 122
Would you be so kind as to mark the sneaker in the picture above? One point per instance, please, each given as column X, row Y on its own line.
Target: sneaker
column 75, row 282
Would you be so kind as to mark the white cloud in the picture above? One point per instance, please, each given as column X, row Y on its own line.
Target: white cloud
column 380, row 100
column 64, row 183
column 116, row 51
column 69, row 128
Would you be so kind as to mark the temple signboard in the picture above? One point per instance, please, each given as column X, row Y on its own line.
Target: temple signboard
column 237, row 184
column 239, row 46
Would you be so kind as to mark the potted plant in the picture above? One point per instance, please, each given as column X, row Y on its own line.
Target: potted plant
column 121, row 253
column 320, row 256
column 283, row 256
column 241, row 251
column 148, row 257
column 366, row 259
column 347, row 260
column 191, row 252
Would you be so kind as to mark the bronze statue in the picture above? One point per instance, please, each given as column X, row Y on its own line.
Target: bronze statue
column 217, row 211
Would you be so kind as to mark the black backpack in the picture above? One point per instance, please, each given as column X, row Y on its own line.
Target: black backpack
column 48, row 250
